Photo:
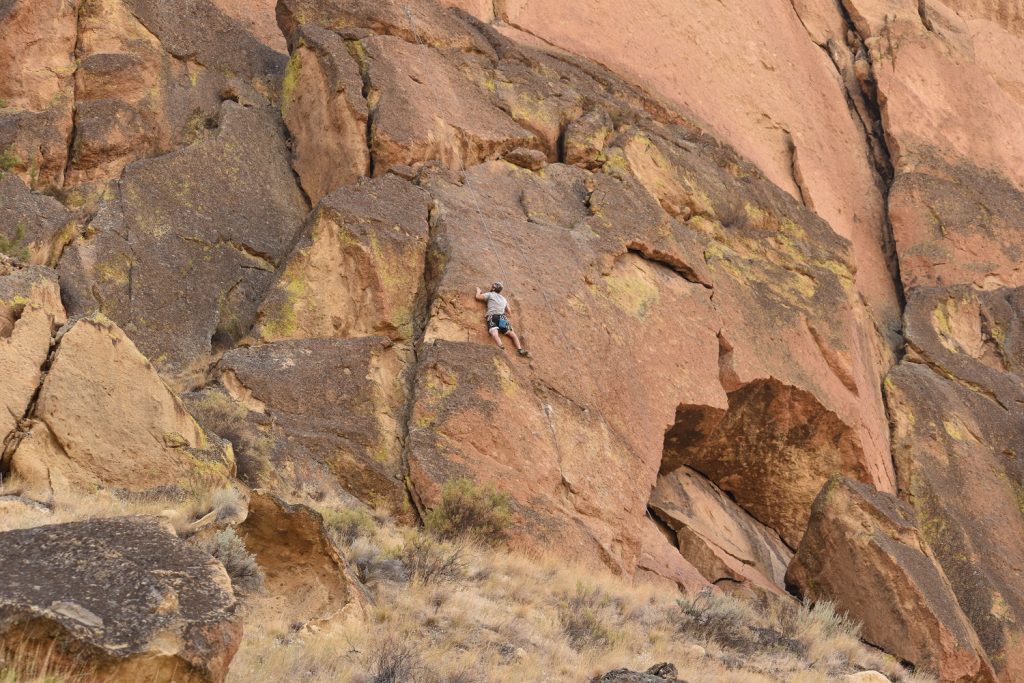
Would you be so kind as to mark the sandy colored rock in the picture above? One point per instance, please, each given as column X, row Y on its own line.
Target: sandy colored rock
column 307, row 578
column 661, row 562
column 33, row 227
column 323, row 107
column 182, row 258
column 331, row 407
column 30, row 312
column 863, row 551
column 104, row 418
column 716, row 535
column 258, row 18
column 358, row 270
column 119, row 599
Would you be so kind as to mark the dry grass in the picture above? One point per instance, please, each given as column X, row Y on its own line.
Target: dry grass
column 502, row 617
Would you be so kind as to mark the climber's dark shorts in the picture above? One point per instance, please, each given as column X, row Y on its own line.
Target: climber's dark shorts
column 499, row 321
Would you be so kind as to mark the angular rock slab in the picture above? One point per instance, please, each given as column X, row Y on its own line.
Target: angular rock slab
column 716, row 535
column 330, row 406
column 122, row 598
column 957, row 452
column 182, row 259
column 323, row 106
column 33, row 227
column 358, row 269
column 104, row 418
column 661, row 563
column 30, row 313
column 306, row 576
column 863, row 551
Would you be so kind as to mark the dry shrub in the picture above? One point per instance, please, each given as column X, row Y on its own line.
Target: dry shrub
column 246, row 575
column 467, row 510
column 431, row 561
column 581, row 616
column 395, row 660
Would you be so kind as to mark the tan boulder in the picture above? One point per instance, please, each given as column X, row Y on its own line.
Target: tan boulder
column 30, row 313
column 307, row 578
column 104, row 418
column 714, row 534
column 323, row 106
column 661, row 563
column 116, row 599
column 863, row 552
column 357, row 270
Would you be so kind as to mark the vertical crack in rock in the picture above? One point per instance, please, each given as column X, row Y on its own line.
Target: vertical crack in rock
column 355, row 48
column 74, row 93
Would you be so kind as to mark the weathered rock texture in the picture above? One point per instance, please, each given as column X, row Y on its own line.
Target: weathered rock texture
column 182, row 258
column 104, row 418
column 33, row 227
column 306, row 576
column 119, row 599
column 863, row 551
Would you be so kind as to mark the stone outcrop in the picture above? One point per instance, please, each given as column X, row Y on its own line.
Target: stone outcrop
column 33, row 227
column 103, row 418
column 307, row 578
column 30, row 313
column 117, row 599
column 326, row 407
column 182, row 258
column 660, row 562
column 863, row 551
column 713, row 533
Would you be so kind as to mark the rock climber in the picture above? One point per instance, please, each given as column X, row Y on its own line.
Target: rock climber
column 497, row 319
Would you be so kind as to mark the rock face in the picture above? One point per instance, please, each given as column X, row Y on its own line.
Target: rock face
column 30, row 313
column 104, row 418
column 306, row 576
column 122, row 599
column 863, row 551
column 328, row 410
column 33, row 227
column 183, row 257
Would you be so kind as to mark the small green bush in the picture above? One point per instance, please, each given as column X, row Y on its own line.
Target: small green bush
column 246, row 574
column 348, row 524
column 9, row 159
column 467, row 510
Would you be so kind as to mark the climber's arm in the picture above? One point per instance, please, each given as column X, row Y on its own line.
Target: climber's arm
column 480, row 296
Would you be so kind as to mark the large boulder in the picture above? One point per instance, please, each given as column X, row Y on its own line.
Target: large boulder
column 116, row 599
column 863, row 551
column 307, row 577
column 30, row 313
column 357, row 270
column 182, row 258
column 717, row 536
column 104, row 418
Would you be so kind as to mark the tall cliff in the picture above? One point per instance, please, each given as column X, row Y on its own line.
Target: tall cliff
column 765, row 255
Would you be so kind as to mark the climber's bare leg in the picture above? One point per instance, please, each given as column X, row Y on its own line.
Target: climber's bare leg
column 515, row 339
column 497, row 339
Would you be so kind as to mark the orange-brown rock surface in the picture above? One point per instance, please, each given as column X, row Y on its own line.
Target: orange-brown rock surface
column 863, row 551
column 285, row 208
